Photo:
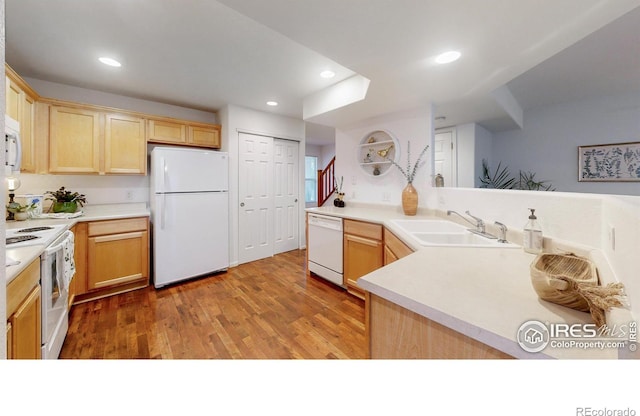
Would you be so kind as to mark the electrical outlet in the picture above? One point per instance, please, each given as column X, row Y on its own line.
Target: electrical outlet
column 129, row 195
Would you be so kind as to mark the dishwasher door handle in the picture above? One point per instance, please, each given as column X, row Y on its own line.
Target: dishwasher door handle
column 332, row 223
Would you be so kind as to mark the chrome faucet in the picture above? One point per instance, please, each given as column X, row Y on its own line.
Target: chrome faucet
column 460, row 215
column 503, row 232
column 479, row 224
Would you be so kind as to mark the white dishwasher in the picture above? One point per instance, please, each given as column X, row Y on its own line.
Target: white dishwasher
column 325, row 247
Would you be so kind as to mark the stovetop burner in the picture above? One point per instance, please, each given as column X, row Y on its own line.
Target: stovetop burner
column 20, row 239
column 34, row 229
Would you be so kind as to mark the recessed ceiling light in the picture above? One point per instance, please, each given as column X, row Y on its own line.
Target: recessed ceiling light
column 327, row 74
column 109, row 61
column 447, row 57
column 272, row 103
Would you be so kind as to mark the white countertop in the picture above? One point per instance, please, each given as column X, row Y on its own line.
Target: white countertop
column 483, row 293
column 25, row 255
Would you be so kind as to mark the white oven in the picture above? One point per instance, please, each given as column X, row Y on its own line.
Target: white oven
column 56, row 269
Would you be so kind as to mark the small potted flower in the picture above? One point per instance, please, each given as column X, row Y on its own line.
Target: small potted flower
column 339, row 201
column 65, row 201
column 20, row 212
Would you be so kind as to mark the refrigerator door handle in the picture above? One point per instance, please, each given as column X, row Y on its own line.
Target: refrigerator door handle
column 165, row 171
column 163, row 209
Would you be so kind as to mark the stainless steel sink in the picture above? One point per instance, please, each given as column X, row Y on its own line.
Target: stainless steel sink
column 442, row 233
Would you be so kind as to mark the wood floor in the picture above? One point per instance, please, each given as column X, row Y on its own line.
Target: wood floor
column 264, row 309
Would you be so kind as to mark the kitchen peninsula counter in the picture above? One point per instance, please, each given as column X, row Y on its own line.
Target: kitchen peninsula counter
column 482, row 293
column 25, row 255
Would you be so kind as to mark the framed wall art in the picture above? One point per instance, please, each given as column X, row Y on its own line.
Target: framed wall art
column 616, row 162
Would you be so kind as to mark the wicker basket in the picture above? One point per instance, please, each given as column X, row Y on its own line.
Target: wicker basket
column 554, row 277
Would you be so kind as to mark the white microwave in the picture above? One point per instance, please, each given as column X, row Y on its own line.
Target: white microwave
column 13, row 149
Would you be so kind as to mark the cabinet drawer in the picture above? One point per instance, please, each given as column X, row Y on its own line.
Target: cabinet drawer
column 363, row 229
column 117, row 226
column 20, row 287
column 397, row 247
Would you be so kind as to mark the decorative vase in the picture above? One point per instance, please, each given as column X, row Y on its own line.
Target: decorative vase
column 69, row 207
column 21, row 215
column 409, row 200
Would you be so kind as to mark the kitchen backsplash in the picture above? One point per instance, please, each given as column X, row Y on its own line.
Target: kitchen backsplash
column 98, row 189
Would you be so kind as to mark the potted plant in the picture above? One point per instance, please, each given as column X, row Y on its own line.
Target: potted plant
column 20, row 212
column 66, row 201
column 339, row 201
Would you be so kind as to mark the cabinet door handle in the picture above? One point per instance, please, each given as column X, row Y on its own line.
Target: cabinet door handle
column 241, row 204
column 363, row 240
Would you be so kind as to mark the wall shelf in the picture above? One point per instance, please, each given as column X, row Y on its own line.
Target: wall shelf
column 375, row 152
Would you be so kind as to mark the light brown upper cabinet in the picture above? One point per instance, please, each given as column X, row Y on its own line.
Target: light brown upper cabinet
column 83, row 140
column 161, row 131
column 206, row 136
column 74, row 140
column 125, row 144
column 20, row 105
column 183, row 133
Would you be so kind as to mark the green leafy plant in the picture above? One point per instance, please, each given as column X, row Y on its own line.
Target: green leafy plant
column 502, row 179
column 62, row 195
column 527, row 182
column 499, row 179
column 16, row 207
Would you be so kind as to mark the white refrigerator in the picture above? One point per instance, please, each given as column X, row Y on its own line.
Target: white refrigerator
column 189, row 213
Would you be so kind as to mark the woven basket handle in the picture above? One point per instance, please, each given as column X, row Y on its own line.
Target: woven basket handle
column 558, row 284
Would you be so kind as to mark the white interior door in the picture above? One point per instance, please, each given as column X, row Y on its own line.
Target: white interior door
column 255, row 192
column 286, row 180
column 445, row 157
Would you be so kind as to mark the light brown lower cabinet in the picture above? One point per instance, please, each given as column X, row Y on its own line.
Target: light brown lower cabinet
column 394, row 248
column 115, row 254
column 363, row 252
column 24, row 314
column 395, row 332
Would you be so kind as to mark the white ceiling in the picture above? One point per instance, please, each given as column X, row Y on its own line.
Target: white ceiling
column 207, row 54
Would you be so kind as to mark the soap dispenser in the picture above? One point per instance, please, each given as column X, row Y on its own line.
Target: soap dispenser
column 532, row 239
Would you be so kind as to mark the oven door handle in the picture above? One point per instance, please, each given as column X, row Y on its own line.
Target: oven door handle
column 53, row 249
